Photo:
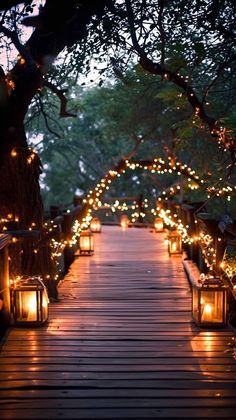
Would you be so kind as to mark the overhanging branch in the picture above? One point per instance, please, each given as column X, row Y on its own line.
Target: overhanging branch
column 12, row 35
column 60, row 94
column 152, row 67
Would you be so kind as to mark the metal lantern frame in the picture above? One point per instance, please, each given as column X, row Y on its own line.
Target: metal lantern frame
column 86, row 250
column 30, row 302
column 209, row 302
column 174, row 237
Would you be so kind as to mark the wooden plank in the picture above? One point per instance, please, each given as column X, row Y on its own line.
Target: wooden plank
column 153, row 375
column 62, row 393
column 163, row 376
column 128, row 367
column 119, row 413
column 91, row 336
column 79, row 403
column 201, row 362
column 123, row 353
column 117, row 383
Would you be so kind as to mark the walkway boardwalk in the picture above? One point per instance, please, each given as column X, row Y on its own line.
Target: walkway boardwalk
column 120, row 344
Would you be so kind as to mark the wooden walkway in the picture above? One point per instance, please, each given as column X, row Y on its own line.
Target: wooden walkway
column 120, row 344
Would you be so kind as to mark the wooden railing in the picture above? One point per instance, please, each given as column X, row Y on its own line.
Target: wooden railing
column 203, row 227
column 65, row 222
column 192, row 215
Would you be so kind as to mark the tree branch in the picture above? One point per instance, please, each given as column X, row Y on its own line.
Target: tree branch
column 60, row 93
column 162, row 31
column 12, row 35
column 46, row 120
column 155, row 68
column 118, row 73
column 138, row 141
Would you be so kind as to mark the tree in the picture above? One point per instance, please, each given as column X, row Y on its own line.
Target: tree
column 114, row 122
column 58, row 25
column 138, row 116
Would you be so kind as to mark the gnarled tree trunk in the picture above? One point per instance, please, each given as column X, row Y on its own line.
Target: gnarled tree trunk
column 21, row 206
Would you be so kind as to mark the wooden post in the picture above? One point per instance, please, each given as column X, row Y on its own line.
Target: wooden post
column 140, row 208
column 77, row 201
column 66, row 226
column 220, row 247
column 4, row 277
column 54, row 211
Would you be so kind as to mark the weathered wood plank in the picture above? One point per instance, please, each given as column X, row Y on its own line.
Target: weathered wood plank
column 118, row 383
column 114, row 336
column 61, row 393
column 154, row 375
column 128, row 367
column 119, row 413
column 115, row 354
column 130, row 361
column 78, row 403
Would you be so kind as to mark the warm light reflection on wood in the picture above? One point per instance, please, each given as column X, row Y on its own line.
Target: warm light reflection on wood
column 203, row 345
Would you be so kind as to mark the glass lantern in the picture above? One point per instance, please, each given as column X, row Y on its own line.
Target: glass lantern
column 209, row 302
column 158, row 224
column 124, row 221
column 174, row 243
column 95, row 225
column 30, row 302
column 86, row 243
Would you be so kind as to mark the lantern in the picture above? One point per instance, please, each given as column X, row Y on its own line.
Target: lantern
column 174, row 243
column 124, row 221
column 30, row 302
column 158, row 224
column 209, row 302
column 95, row 225
column 86, row 243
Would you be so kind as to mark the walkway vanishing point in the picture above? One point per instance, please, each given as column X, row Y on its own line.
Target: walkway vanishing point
column 120, row 344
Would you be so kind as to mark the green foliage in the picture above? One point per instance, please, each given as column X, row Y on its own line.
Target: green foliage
column 110, row 121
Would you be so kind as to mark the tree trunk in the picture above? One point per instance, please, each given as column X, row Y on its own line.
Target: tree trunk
column 21, row 208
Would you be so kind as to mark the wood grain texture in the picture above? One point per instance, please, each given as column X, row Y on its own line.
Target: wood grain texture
column 120, row 343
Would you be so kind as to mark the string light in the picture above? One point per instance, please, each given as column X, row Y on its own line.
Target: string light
column 93, row 202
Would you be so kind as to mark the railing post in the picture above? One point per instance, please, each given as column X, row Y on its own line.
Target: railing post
column 6, row 281
column 66, row 226
column 77, row 201
column 54, row 211
column 5, row 308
